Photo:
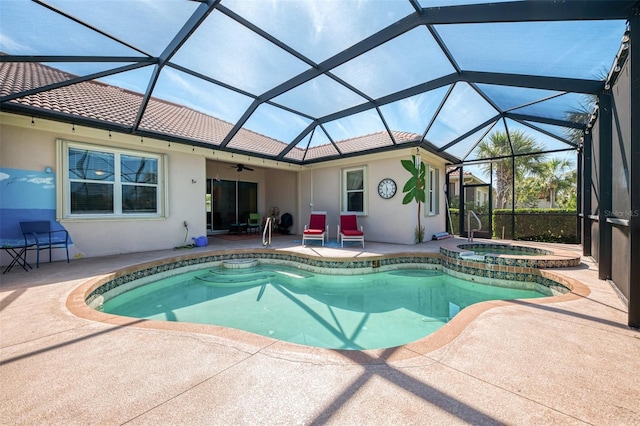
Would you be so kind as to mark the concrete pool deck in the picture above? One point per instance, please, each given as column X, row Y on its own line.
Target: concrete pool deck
column 568, row 362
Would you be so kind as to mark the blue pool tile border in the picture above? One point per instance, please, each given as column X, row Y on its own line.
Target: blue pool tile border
column 366, row 265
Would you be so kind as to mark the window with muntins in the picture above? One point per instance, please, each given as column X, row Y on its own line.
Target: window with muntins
column 101, row 181
column 354, row 190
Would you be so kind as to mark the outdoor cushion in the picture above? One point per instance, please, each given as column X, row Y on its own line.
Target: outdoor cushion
column 314, row 231
column 348, row 222
column 317, row 222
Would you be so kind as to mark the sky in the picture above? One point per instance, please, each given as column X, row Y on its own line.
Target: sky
column 227, row 52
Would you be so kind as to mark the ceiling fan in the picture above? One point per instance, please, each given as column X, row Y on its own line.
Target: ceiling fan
column 241, row 167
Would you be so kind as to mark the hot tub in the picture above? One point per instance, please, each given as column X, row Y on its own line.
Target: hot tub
column 507, row 254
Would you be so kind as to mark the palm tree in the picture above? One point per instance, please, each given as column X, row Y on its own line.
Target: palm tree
column 553, row 177
column 567, row 196
column 502, row 145
column 528, row 193
column 580, row 115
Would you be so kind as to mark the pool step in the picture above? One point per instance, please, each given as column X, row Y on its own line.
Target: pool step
column 240, row 263
column 471, row 255
column 250, row 279
column 237, row 272
column 264, row 269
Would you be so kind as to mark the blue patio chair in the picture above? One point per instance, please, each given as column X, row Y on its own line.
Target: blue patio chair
column 38, row 235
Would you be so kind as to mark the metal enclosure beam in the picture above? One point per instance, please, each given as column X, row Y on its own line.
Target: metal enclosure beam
column 634, row 219
column 180, row 39
column 579, row 197
column 448, row 224
column 604, row 176
column 529, row 11
column 513, row 197
column 4, row 100
column 388, row 33
column 461, row 211
column 561, row 84
column 544, row 120
column 587, row 166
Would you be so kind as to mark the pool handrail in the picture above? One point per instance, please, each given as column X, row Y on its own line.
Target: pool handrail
column 266, row 233
column 470, row 230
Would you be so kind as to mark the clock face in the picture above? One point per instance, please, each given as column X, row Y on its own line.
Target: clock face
column 387, row 188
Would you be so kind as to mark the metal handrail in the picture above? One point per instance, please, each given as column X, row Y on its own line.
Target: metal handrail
column 470, row 231
column 266, row 241
column 446, row 198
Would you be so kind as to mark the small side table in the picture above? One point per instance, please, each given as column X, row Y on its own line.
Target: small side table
column 17, row 249
column 237, row 228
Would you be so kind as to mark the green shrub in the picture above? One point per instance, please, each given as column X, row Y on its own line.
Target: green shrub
column 542, row 225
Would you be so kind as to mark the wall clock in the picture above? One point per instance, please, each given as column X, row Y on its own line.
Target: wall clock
column 387, row 188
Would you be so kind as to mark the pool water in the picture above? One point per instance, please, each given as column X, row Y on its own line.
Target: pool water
column 368, row 311
column 509, row 251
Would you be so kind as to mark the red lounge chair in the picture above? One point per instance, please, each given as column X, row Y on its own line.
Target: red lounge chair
column 317, row 228
column 348, row 229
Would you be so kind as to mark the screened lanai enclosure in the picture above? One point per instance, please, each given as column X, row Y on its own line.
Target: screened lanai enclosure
column 530, row 103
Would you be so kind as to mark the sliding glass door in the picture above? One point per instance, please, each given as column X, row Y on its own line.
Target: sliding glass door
column 229, row 201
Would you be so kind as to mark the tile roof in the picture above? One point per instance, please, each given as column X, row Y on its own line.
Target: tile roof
column 320, row 151
column 457, row 173
column 177, row 120
column 18, row 77
column 110, row 104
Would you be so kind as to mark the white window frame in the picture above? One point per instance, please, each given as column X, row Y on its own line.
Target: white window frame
column 64, row 182
column 432, row 199
column 345, row 192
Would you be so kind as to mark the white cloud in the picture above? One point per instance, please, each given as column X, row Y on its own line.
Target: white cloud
column 201, row 96
column 37, row 180
column 326, row 17
column 411, row 109
column 44, row 182
column 363, row 123
column 179, row 83
column 8, row 44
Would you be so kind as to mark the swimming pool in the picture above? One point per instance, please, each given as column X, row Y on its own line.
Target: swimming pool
column 509, row 251
column 359, row 311
column 509, row 255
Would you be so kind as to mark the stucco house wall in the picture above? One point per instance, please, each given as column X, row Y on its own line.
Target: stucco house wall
column 386, row 220
column 281, row 190
column 31, row 148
